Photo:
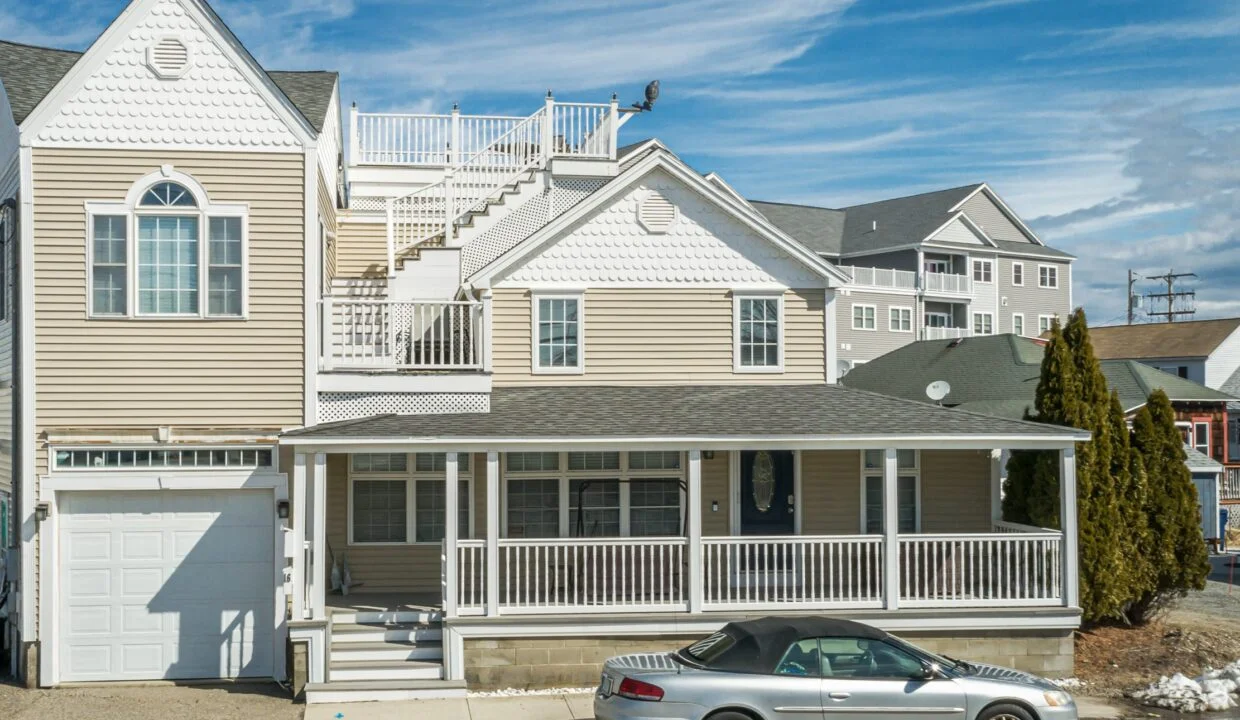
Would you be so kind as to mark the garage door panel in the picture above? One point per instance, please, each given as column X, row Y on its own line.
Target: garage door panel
column 180, row 584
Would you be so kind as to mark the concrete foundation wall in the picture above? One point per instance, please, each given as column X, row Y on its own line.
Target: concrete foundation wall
column 526, row 663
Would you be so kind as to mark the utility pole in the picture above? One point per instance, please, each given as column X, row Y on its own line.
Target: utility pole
column 1132, row 300
column 1187, row 308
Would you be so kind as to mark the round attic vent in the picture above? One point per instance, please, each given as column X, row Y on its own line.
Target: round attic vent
column 656, row 213
column 168, row 58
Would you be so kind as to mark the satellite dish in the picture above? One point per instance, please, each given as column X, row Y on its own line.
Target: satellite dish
column 938, row 390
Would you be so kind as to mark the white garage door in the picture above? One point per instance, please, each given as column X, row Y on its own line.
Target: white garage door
column 173, row 584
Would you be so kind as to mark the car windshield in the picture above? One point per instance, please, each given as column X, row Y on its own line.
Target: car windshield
column 705, row 651
column 941, row 660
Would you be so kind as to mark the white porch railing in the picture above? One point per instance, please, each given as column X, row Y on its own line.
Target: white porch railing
column 592, row 575
column 755, row 573
column 390, row 335
column 944, row 333
column 423, row 140
column 471, row 596
column 998, row 569
column 1230, row 487
column 948, row 283
column 882, row 277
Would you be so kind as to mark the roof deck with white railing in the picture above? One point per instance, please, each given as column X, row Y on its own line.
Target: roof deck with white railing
column 946, row 285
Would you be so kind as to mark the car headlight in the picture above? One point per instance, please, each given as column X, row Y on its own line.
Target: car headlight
column 1057, row 698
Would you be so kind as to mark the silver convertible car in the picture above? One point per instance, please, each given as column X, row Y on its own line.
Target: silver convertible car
column 805, row 667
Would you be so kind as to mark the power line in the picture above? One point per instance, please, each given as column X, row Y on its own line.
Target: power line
column 1181, row 303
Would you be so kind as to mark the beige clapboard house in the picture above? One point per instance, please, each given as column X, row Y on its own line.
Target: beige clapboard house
column 395, row 405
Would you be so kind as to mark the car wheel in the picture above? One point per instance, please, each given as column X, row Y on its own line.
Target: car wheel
column 1005, row 712
column 729, row 715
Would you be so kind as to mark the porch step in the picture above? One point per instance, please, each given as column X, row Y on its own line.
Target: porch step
column 348, row 633
column 385, row 670
column 378, row 690
column 385, row 617
column 385, row 651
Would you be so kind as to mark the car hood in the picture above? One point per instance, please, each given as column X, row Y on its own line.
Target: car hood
column 994, row 673
column 639, row 663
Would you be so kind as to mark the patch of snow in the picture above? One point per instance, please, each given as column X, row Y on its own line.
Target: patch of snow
column 1214, row 690
column 1067, row 683
column 515, row 692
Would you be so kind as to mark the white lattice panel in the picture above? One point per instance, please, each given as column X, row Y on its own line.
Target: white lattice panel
column 701, row 244
column 524, row 222
column 335, row 406
column 366, row 204
column 210, row 104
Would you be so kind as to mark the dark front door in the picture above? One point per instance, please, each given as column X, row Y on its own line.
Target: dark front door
column 767, row 502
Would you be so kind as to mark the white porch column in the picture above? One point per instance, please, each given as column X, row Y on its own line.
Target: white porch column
column 450, row 533
column 694, row 530
column 492, row 534
column 1068, row 523
column 997, row 458
column 318, row 573
column 891, row 530
column 298, row 537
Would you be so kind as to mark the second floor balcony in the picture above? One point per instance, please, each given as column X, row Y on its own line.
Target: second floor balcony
column 381, row 335
column 946, row 283
column 932, row 283
column 945, row 333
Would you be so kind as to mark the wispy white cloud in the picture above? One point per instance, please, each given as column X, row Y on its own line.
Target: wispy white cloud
column 931, row 13
column 1099, row 40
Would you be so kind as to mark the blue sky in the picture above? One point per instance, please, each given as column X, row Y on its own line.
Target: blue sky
column 1113, row 126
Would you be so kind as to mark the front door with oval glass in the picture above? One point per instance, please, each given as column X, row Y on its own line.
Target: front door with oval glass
column 767, row 502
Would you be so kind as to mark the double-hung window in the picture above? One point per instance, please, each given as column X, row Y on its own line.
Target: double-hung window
column 983, row 271
column 1201, row 437
column 1048, row 276
column 1045, row 323
column 558, row 332
column 864, row 317
column 396, row 499
column 983, row 323
column 758, row 330
column 1018, row 323
column 908, row 491
column 1018, row 273
column 167, row 251
column 900, row 319
column 592, row 494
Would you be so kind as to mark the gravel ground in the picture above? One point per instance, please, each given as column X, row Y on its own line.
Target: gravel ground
column 241, row 701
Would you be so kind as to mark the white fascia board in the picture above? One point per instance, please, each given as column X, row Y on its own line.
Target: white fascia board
column 346, row 443
column 116, row 33
column 959, row 215
column 718, row 180
column 1003, row 207
column 667, row 162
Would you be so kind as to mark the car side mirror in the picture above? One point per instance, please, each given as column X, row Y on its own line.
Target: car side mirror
column 929, row 671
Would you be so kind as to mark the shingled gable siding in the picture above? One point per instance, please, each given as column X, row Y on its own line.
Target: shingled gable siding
column 1030, row 299
column 361, row 249
column 659, row 336
column 95, row 373
column 985, row 213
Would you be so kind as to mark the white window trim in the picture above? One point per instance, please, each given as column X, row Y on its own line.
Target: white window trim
column 564, row 476
column 978, row 315
column 854, row 317
column 580, row 367
column 1021, row 266
column 409, row 476
column 1022, row 324
column 1050, row 320
column 204, row 211
column 737, row 297
column 1209, row 437
column 891, row 312
column 915, row 471
column 990, row 270
column 1048, row 286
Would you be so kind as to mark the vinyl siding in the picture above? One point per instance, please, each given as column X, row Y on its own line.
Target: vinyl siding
column 982, row 211
column 866, row 345
column 658, row 336
column 716, row 487
column 327, row 215
column 1223, row 362
column 93, row 373
column 831, row 492
column 955, row 491
column 957, row 232
column 1030, row 299
column 361, row 249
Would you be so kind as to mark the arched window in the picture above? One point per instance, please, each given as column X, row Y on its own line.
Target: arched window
column 152, row 255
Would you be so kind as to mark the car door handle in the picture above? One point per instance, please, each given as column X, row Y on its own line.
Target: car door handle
column 839, row 695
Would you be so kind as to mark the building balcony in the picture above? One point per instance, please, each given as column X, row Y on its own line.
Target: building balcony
column 947, row 284
column 944, row 333
column 882, row 277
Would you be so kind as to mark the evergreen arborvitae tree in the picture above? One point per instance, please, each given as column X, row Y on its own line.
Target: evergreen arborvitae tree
column 1128, row 475
column 1178, row 559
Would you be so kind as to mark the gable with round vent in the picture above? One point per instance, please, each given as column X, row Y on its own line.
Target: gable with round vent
column 168, row 58
column 656, row 213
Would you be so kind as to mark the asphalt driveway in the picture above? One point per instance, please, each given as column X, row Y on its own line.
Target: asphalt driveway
column 241, row 701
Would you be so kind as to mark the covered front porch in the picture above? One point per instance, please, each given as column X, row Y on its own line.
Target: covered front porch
column 577, row 529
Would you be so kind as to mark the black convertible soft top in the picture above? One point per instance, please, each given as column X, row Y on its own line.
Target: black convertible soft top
column 758, row 645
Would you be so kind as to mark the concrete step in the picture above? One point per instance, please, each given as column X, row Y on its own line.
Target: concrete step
column 386, row 651
column 378, row 690
column 386, row 617
column 385, row 670
column 380, row 632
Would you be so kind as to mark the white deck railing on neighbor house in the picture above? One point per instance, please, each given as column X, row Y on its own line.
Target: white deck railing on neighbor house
column 948, row 283
column 996, row 569
column 426, row 140
column 755, row 573
column 1229, row 489
column 1015, row 566
column 944, row 333
column 882, row 277
column 390, row 335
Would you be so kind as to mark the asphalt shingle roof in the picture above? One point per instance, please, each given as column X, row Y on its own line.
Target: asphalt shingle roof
column 29, row 73
column 999, row 375
column 819, row 229
column 1192, row 338
column 717, row 411
column 1197, row 459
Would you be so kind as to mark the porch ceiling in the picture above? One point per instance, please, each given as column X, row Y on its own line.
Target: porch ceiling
column 702, row 416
